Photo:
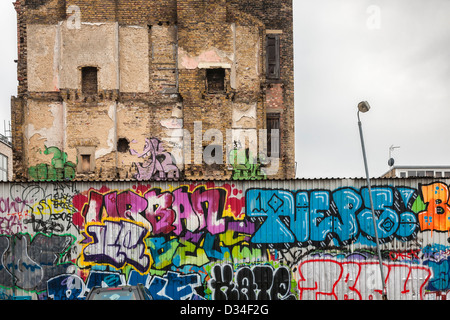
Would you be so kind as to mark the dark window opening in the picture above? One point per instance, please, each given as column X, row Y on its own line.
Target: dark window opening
column 85, row 159
column 273, row 122
column 89, row 80
column 86, row 162
column 123, row 145
column 273, row 57
column 215, row 79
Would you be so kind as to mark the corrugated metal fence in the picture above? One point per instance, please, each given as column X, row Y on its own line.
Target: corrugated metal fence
column 292, row 239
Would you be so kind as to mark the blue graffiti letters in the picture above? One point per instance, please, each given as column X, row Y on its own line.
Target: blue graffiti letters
column 339, row 217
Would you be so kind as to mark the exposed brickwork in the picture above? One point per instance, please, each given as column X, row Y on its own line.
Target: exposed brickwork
column 152, row 59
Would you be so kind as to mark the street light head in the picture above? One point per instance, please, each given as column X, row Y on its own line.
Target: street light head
column 363, row 106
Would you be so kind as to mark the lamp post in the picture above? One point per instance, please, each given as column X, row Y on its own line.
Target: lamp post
column 364, row 107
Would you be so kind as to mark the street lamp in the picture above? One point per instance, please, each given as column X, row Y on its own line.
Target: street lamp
column 363, row 107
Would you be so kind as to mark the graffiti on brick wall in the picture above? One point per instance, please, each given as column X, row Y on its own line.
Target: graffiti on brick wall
column 158, row 164
column 59, row 169
column 217, row 241
column 245, row 166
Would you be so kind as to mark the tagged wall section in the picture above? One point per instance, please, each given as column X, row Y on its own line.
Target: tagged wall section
column 248, row 240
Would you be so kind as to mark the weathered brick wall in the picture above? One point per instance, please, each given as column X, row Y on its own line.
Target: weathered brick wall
column 152, row 58
column 127, row 12
column 17, row 103
column 277, row 15
column 202, row 31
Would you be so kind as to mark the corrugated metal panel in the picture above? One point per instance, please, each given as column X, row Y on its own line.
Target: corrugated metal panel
column 277, row 239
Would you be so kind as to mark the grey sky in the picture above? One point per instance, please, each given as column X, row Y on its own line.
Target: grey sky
column 8, row 69
column 392, row 53
column 401, row 69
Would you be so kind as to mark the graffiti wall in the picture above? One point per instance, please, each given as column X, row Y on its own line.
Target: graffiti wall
column 235, row 240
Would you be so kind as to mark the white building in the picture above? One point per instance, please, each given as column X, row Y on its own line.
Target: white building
column 6, row 164
column 418, row 171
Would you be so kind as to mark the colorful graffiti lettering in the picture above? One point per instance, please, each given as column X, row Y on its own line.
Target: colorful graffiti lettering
column 437, row 214
column 321, row 217
column 117, row 243
column 186, row 214
column 224, row 241
column 184, row 209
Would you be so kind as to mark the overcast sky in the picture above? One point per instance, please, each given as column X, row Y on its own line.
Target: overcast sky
column 395, row 54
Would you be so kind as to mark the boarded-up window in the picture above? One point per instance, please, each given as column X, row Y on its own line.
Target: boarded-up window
column 273, row 56
column 273, row 122
column 86, row 159
column 215, row 80
column 89, row 80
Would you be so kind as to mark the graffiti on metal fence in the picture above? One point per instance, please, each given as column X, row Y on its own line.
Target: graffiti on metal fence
column 260, row 282
column 59, row 169
column 339, row 217
column 359, row 280
column 218, row 241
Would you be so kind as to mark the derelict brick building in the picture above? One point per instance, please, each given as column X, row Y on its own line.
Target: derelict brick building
column 135, row 89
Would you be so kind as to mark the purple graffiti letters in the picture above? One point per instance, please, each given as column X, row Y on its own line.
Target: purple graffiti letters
column 117, row 243
column 158, row 163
